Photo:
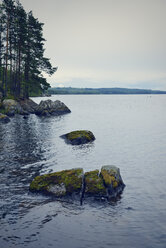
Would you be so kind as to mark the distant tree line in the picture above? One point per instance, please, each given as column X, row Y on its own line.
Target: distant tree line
column 22, row 60
column 97, row 91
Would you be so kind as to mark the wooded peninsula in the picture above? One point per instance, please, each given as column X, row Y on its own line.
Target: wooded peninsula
column 22, row 60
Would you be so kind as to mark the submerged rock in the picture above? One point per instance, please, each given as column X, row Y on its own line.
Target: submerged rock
column 48, row 107
column 79, row 137
column 112, row 180
column 4, row 118
column 60, row 183
column 107, row 184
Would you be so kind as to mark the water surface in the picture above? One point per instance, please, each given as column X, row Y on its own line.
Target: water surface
column 130, row 133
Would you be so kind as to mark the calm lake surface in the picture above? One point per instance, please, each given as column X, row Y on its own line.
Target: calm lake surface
column 130, row 133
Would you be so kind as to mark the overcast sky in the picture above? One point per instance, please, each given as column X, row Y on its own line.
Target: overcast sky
column 104, row 43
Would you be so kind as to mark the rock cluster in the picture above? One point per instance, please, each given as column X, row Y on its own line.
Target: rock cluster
column 78, row 137
column 107, row 183
column 24, row 107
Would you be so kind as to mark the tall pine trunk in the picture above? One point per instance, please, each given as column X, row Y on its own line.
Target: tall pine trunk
column 6, row 62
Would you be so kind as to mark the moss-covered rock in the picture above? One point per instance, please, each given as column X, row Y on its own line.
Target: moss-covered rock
column 94, row 184
column 79, row 137
column 11, row 107
column 60, row 183
column 108, row 183
column 4, row 118
column 112, row 180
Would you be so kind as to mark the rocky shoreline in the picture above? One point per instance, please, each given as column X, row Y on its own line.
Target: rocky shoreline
column 10, row 107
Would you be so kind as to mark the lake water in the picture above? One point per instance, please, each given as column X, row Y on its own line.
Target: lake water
column 130, row 133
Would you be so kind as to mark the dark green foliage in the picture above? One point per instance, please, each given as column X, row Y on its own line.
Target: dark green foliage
column 22, row 58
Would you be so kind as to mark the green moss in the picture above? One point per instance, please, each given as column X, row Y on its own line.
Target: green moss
column 94, row 183
column 72, row 180
column 80, row 134
column 110, row 176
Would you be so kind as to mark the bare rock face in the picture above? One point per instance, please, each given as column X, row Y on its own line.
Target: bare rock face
column 48, row 107
column 106, row 184
column 79, row 137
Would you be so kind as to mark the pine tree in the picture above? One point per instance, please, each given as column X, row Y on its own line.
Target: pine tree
column 22, row 60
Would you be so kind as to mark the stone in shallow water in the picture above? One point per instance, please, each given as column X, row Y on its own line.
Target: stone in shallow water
column 29, row 106
column 112, row 180
column 94, row 184
column 79, row 137
column 48, row 107
column 108, row 183
column 60, row 183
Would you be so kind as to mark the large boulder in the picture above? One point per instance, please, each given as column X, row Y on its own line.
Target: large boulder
column 112, row 180
column 78, row 137
column 12, row 107
column 48, row 107
column 59, row 184
column 4, row 118
column 28, row 106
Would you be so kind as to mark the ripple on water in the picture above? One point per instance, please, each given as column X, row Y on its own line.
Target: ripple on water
column 130, row 133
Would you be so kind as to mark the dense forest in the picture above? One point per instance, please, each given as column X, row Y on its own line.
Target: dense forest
column 22, row 60
column 89, row 91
